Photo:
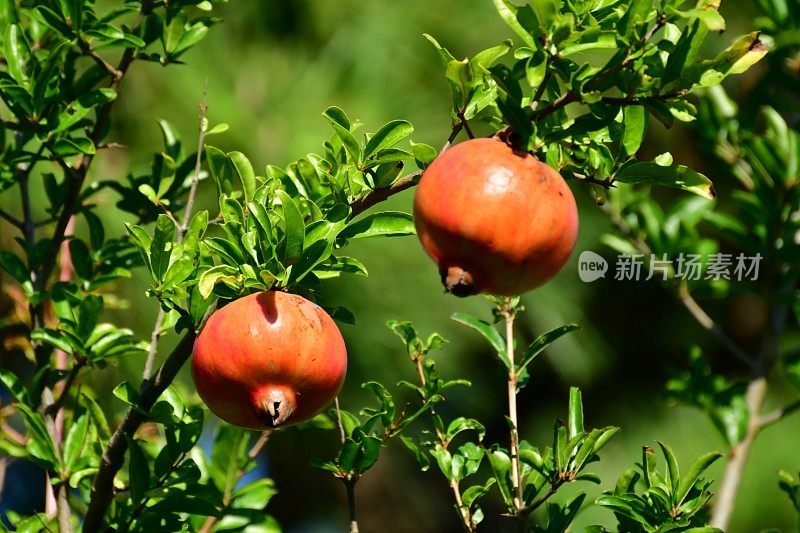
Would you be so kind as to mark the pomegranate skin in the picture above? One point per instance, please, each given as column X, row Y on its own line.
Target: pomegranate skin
column 494, row 220
column 268, row 360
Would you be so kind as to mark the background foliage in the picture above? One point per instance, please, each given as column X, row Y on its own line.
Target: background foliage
column 293, row 60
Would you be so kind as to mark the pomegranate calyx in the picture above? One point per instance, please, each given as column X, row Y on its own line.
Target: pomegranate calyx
column 277, row 406
column 458, row 281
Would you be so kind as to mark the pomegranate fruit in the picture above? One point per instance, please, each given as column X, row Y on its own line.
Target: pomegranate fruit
column 494, row 220
column 269, row 359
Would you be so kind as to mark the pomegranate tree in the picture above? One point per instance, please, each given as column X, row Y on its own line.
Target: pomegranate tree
column 268, row 360
column 494, row 220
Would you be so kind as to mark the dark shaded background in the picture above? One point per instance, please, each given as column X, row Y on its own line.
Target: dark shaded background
column 272, row 68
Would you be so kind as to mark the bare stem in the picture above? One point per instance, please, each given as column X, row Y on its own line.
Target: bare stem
column 350, row 484
column 737, row 457
column 779, row 414
column 508, row 313
column 339, row 419
column 702, row 318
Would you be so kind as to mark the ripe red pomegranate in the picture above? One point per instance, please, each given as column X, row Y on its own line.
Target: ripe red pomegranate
column 269, row 359
column 494, row 220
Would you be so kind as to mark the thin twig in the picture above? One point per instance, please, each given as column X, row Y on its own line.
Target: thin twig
column 516, row 483
column 702, row 318
column 339, row 423
column 778, row 414
column 683, row 294
column 463, row 510
column 737, row 457
column 377, row 196
column 155, row 335
column 11, row 219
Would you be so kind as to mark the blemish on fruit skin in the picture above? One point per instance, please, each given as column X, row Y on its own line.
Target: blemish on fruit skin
column 254, row 330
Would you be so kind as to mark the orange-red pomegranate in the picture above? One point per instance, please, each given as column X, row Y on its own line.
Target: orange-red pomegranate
column 269, row 359
column 494, row 220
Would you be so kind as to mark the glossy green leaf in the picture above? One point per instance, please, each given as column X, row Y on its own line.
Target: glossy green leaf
column 386, row 137
column 488, row 332
column 385, row 224
column 542, row 342
column 677, row 176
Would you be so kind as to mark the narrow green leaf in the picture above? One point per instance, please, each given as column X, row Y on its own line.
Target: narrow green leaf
column 245, row 171
column 488, row 332
column 75, row 441
column 386, row 137
column 386, row 224
column 677, row 176
column 575, row 412
column 635, row 123
column 294, row 229
column 693, row 474
column 541, row 343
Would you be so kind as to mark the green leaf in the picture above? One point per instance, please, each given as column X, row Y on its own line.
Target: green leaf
column 341, row 125
column 424, row 154
column 139, row 471
column 463, row 424
column 17, row 52
column 514, row 16
column 14, row 385
column 541, row 343
column 245, row 171
column 294, row 229
column 72, row 146
column 575, row 412
column 14, row 266
column 488, row 332
column 254, row 496
column 693, row 475
column 161, row 246
column 217, row 274
column 128, row 394
column 221, row 170
column 635, row 123
column 501, row 467
column 75, row 441
column 389, row 135
column 673, row 474
column 39, row 445
column 677, row 176
column 54, row 338
column 386, row 223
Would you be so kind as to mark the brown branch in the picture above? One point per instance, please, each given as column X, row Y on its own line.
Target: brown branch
column 114, row 455
column 377, row 196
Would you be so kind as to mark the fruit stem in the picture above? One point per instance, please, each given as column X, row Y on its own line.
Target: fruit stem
column 508, row 313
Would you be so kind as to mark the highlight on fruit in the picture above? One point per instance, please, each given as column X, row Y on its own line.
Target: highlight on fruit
column 269, row 360
column 493, row 219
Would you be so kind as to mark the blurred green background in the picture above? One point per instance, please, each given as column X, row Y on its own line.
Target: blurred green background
column 272, row 68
